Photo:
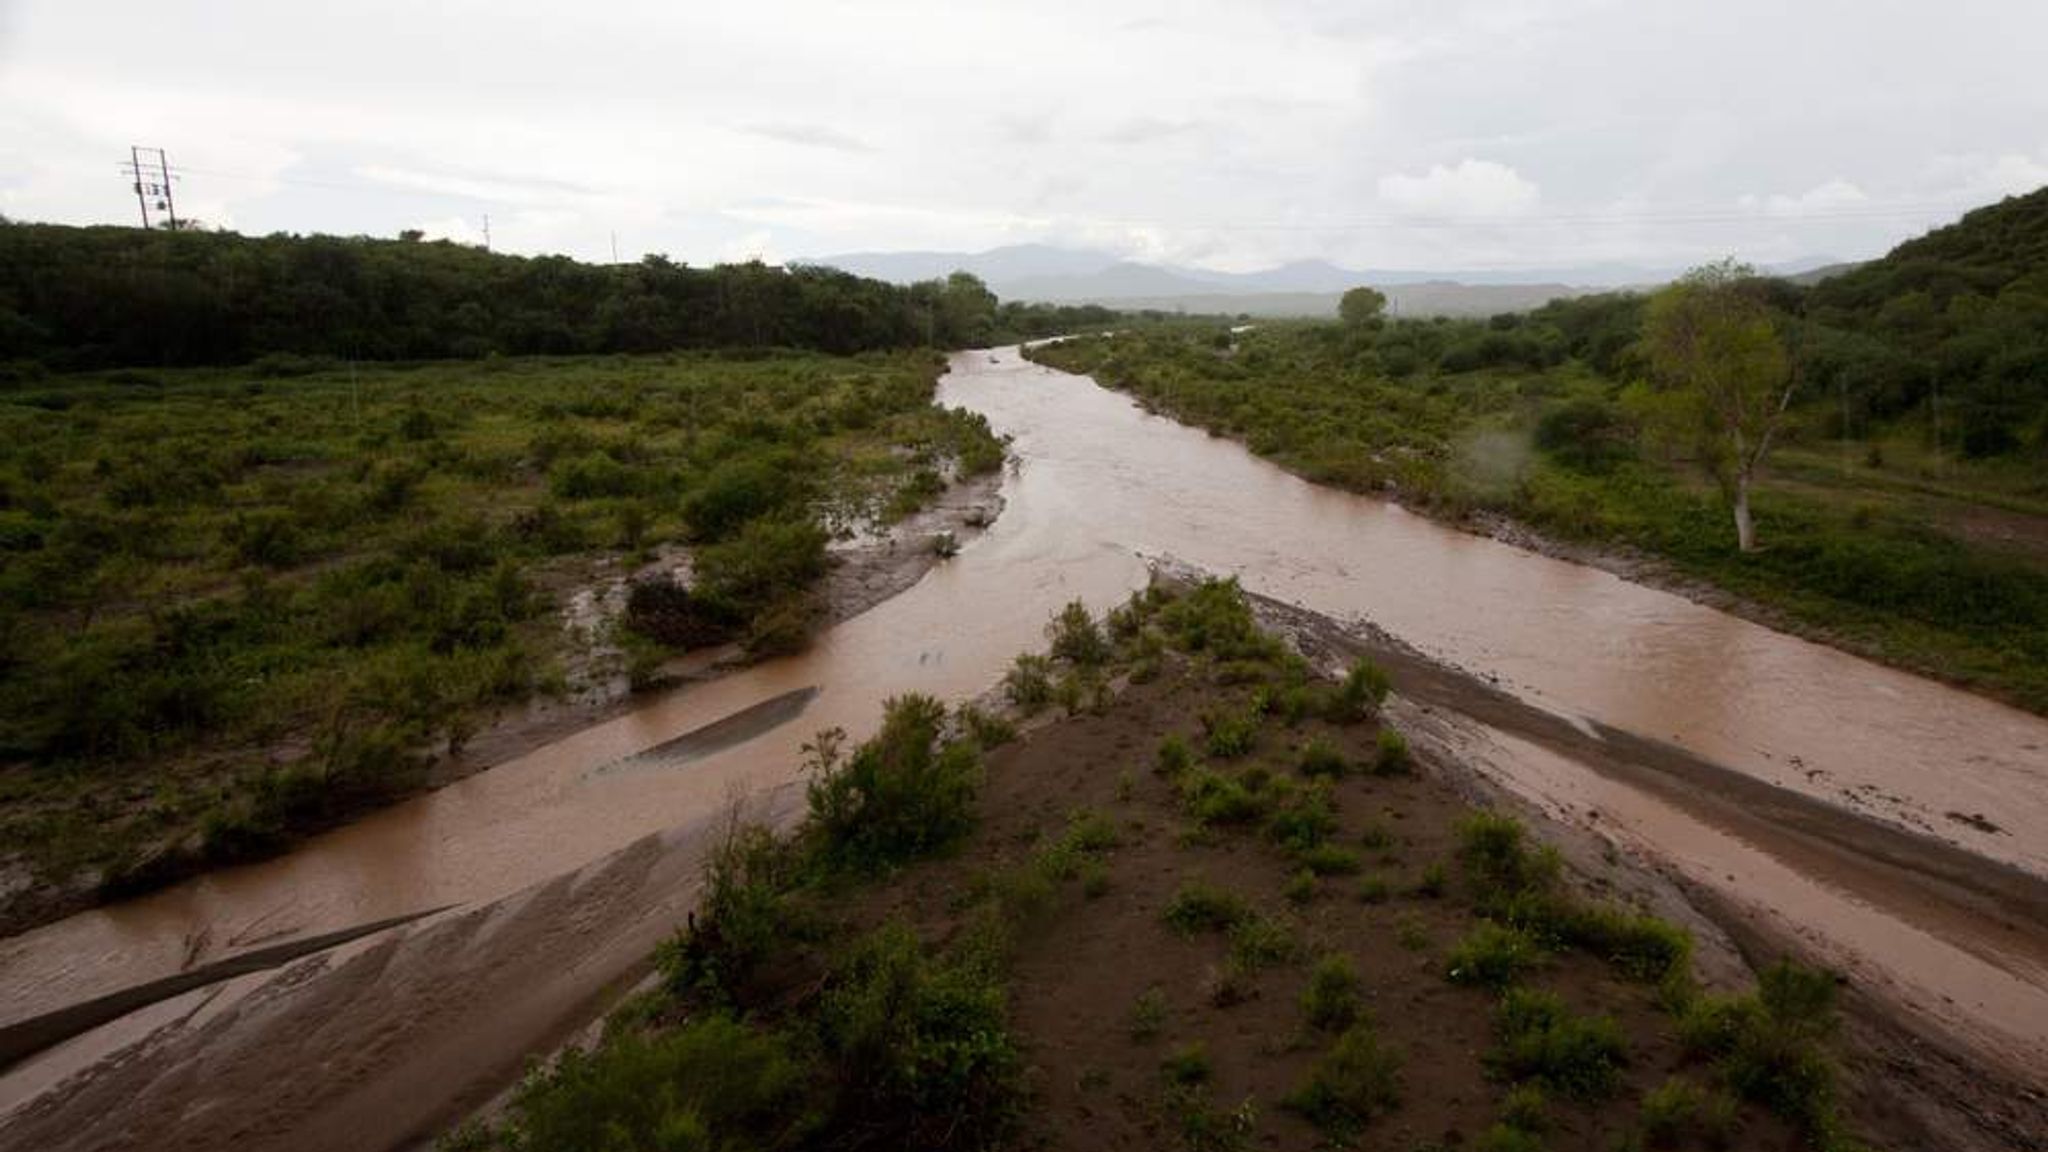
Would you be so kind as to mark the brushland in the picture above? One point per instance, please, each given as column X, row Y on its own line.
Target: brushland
column 1903, row 512
column 242, row 603
column 1208, row 899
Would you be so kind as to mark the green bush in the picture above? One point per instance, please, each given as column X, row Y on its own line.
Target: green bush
column 743, row 917
column 1358, row 1079
column 1201, row 907
column 902, row 794
column 1770, row 1047
column 1334, row 999
column 1076, row 638
column 1331, row 860
column 709, row 1083
column 1577, row 1056
column 1498, row 861
column 1230, row 733
column 1148, row 1015
column 1304, row 821
column 1174, row 756
column 1361, row 693
column 1390, row 754
column 1213, row 798
column 921, row 1046
column 1028, row 683
column 1187, row 1064
column 1492, row 956
column 1320, row 759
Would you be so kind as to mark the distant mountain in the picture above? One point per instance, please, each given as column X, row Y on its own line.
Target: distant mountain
column 1041, row 272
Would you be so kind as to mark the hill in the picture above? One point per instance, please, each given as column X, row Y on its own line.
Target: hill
column 1950, row 328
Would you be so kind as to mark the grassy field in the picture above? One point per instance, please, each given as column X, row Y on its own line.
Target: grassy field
column 1927, row 562
column 239, row 604
column 1217, row 906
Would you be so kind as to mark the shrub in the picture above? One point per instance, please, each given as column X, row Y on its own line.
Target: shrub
column 1187, row 1064
column 902, row 794
column 1505, row 1137
column 1355, row 1081
column 743, row 916
column 1390, row 754
column 1498, row 861
column 1333, row 1000
column 1304, row 821
column 922, row 1046
column 1200, row 907
column 1433, row 883
column 1374, row 890
column 1320, row 759
column 1148, row 1014
column 1173, row 757
column 1493, row 956
column 1679, row 1108
column 710, row 1083
column 1526, row 1108
column 1227, row 735
column 1578, row 1056
column 1642, row 948
column 1331, row 860
column 1300, row 888
column 1213, row 798
column 1261, row 942
column 983, row 727
column 1076, row 637
column 1360, row 694
column 1029, row 682
column 1769, row 1046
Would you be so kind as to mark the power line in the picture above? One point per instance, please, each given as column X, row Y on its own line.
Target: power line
column 152, row 180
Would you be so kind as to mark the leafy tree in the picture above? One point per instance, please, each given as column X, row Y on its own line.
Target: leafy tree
column 1711, row 337
column 1362, row 307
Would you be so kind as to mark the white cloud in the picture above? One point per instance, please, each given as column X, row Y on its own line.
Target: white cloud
column 1370, row 132
column 1476, row 188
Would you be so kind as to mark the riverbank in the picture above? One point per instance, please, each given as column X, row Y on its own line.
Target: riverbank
column 1847, row 563
column 438, row 588
column 1211, row 935
column 423, row 1024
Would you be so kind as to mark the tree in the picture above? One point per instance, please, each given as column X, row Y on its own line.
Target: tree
column 1362, row 307
column 1712, row 337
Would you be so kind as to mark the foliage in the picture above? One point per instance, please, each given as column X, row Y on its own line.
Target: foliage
column 903, row 793
column 1493, row 955
column 1576, row 1056
column 1358, row 1079
column 1201, row 907
column 1767, row 1047
column 922, row 1045
column 1076, row 637
column 1333, row 1000
column 710, row 1083
column 83, row 298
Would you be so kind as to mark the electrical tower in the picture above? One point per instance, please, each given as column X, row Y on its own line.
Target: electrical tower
column 151, row 179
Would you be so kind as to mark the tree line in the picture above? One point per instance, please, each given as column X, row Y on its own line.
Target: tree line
column 76, row 299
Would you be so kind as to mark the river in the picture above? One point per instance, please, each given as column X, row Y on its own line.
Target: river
column 1098, row 486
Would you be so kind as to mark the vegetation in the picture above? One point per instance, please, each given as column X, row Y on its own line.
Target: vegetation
column 260, row 604
column 75, row 299
column 891, row 969
column 1902, row 504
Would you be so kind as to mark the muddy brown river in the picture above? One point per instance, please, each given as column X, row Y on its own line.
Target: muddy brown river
column 1098, row 487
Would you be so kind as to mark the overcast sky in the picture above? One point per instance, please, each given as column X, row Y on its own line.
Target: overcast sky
column 1409, row 133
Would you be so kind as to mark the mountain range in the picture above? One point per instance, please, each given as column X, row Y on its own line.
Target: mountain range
column 1040, row 272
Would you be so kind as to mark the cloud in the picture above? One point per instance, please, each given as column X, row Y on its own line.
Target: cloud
column 810, row 136
column 1475, row 188
column 1146, row 129
column 1820, row 199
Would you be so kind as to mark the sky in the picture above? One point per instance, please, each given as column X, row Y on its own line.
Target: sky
column 1459, row 134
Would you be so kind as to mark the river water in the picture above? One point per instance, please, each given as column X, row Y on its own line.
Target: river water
column 1098, row 486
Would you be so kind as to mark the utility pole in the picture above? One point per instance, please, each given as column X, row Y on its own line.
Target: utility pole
column 487, row 231
column 152, row 184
